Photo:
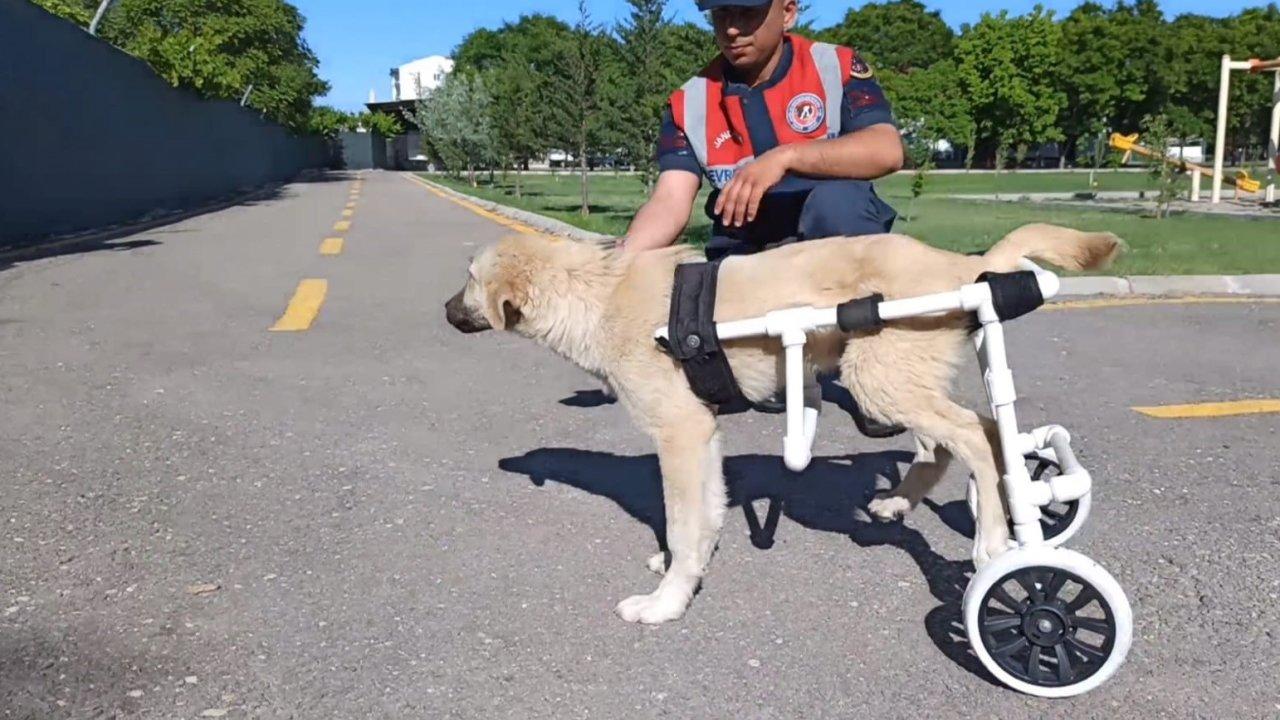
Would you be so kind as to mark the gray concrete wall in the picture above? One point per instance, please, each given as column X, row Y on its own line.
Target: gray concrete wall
column 90, row 136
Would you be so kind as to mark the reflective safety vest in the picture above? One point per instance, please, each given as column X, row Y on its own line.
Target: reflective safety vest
column 805, row 105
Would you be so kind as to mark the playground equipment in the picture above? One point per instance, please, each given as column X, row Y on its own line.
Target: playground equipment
column 1129, row 144
column 1220, row 141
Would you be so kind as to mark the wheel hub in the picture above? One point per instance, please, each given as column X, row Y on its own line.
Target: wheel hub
column 1045, row 624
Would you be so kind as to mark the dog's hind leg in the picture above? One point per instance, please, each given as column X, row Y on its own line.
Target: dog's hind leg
column 694, row 495
column 902, row 377
column 927, row 468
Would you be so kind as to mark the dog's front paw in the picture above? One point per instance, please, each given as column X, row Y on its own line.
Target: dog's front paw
column 889, row 507
column 657, row 563
column 652, row 609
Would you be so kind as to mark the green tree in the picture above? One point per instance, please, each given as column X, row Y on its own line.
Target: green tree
column 582, row 116
column 1156, row 130
column 1100, row 71
column 456, row 127
column 79, row 12
column 1008, row 68
column 643, row 88
column 223, row 49
column 930, row 100
column 517, row 117
column 897, row 35
column 329, row 121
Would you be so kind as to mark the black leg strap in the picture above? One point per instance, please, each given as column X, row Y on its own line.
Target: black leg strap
column 1014, row 294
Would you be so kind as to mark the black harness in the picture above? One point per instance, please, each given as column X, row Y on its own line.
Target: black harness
column 693, row 341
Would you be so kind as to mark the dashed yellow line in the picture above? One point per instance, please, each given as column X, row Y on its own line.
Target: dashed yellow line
column 348, row 213
column 1129, row 302
column 331, row 246
column 303, row 307
column 342, row 226
column 351, row 205
column 504, row 221
column 1211, row 409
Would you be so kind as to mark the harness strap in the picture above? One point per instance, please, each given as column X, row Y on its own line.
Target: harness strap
column 692, row 334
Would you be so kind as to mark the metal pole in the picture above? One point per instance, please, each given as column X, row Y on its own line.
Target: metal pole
column 1220, row 140
column 97, row 17
column 245, row 98
column 1273, row 151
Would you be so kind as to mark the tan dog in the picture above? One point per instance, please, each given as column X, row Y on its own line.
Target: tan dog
column 599, row 309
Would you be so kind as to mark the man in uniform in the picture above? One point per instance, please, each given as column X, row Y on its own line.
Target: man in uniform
column 790, row 133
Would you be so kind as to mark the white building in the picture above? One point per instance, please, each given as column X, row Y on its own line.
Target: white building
column 422, row 75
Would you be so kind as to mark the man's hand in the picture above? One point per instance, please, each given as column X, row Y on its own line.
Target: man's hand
column 739, row 201
column 660, row 220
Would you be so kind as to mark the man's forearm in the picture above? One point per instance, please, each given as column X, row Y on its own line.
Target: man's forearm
column 657, row 224
column 867, row 154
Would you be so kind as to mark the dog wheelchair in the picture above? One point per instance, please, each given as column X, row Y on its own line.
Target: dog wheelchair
column 1042, row 619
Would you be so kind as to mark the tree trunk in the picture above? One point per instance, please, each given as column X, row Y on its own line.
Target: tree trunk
column 517, row 179
column 471, row 174
column 582, row 164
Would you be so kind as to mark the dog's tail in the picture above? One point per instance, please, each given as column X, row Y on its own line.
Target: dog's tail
column 1064, row 247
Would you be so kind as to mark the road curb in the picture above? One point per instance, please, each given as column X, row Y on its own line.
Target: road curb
column 1267, row 285
column 538, row 222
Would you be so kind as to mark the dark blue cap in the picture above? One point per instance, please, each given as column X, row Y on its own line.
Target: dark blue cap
column 710, row 4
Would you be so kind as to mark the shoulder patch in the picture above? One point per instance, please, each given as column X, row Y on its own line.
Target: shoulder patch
column 859, row 67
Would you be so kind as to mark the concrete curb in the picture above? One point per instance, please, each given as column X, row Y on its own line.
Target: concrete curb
column 1080, row 286
column 538, row 222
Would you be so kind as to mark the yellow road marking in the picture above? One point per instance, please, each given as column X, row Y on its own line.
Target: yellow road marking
column 505, row 222
column 348, row 213
column 1132, row 301
column 351, row 205
column 1211, row 409
column 342, row 226
column 331, row 246
column 303, row 307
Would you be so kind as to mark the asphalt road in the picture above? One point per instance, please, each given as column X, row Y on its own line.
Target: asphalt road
column 405, row 522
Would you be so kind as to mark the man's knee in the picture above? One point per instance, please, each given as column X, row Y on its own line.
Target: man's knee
column 845, row 207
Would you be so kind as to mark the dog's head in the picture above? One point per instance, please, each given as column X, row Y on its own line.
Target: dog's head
column 494, row 293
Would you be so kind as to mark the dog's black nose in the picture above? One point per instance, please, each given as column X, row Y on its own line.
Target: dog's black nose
column 455, row 312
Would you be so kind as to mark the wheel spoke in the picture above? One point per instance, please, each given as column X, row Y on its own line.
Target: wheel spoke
column 1092, row 625
column 1001, row 622
column 1065, row 672
column 1005, row 598
column 1086, row 596
column 1090, row 654
column 1010, row 648
column 1054, row 586
column 1027, row 581
column 1033, row 664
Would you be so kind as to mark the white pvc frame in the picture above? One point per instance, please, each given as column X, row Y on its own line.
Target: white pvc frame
column 1025, row 497
column 1220, row 139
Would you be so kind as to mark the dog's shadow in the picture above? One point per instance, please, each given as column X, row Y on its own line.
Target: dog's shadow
column 830, row 496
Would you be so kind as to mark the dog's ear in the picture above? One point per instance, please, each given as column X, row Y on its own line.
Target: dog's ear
column 502, row 302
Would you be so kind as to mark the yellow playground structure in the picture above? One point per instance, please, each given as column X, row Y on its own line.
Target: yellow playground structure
column 1129, row 144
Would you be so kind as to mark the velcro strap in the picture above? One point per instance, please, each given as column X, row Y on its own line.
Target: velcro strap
column 1013, row 294
column 691, row 329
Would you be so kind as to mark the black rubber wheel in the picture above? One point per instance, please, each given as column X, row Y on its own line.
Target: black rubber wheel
column 1056, row 517
column 1046, row 626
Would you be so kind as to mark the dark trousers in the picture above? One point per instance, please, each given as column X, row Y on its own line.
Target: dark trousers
column 830, row 208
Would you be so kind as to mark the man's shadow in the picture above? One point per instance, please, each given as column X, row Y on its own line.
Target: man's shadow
column 830, row 496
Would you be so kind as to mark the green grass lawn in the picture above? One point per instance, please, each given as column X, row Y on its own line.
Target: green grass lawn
column 1187, row 244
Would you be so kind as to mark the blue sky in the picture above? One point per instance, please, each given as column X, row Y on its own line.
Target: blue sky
column 359, row 42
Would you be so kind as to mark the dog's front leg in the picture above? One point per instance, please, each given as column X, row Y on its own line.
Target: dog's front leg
column 694, row 495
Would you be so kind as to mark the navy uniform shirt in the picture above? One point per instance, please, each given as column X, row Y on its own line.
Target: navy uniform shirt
column 864, row 105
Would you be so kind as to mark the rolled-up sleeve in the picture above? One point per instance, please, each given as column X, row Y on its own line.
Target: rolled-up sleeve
column 864, row 105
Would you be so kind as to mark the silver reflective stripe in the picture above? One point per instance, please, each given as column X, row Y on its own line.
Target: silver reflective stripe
column 695, row 117
column 828, row 63
column 720, row 175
